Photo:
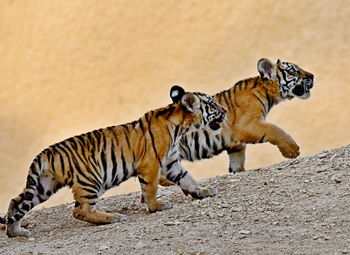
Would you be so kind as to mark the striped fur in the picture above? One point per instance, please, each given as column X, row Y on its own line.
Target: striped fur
column 96, row 161
column 248, row 102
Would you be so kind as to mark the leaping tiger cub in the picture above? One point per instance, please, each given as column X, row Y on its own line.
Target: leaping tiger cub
column 96, row 161
column 248, row 102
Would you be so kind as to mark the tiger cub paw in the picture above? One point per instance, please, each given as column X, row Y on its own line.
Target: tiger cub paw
column 203, row 193
column 14, row 230
column 236, row 170
column 118, row 218
column 290, row 150
column 159, row 206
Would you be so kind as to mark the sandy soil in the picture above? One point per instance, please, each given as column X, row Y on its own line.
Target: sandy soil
column 298, row 206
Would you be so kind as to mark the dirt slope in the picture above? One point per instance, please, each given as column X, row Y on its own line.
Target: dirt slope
column 298, row 206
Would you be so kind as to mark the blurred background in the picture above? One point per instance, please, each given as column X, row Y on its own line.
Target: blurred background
column 68, row 67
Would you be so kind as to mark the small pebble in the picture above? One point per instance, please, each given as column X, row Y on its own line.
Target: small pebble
column 337, row 178
column 236, row 209
column 245, row 232
column 173, row 223
column 104, row 247
column 140, row 245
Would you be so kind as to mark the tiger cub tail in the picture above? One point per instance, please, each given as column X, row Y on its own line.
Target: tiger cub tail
column 40, row 186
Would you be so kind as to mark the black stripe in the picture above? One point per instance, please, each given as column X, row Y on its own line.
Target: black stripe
column 93, row 196
column 204, row 153
column 63, row 167
column 141, row 180
column 196, row 144
column 125, row 169
column 226, row 96
column 168, row 166
column 40, row 188
column 114, row 165
column 93, row 191
column 104, row 163
column 176, row 132
column 141, row 126
column 86, row 184
column 262, row 139
column 255, row 82
column 126, row 134
column 30, row 181
column 153, row 142
column 28, row 196
column 167, row 111
column 269, row 102
column 262, row 103
column 207, row 138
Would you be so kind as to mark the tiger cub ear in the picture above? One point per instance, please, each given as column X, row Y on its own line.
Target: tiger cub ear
column 176, row 93
column 190, row 102
column 266, row 69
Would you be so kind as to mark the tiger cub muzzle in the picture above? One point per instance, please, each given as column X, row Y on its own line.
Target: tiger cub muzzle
column 303, row 90
column 217, row 122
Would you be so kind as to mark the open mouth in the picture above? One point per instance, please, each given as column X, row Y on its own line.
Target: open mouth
column 300, row 90
column 216, row 124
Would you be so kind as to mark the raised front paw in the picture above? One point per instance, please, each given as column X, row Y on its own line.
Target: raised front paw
column 202, row 193
column 289, row 150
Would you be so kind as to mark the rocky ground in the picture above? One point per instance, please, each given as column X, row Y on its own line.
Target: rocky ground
column 298, row 206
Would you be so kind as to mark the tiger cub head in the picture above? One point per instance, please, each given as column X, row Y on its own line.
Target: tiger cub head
column 293, row 81
column 200, row 108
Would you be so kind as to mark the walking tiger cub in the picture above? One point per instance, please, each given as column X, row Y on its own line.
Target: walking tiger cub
column 248, row 102
column 96, row 161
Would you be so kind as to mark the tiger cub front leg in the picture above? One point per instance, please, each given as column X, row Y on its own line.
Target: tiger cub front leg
column 149, row 179
column 176, row 173
column 266, row 132
column 236, row 156
column 84, row 208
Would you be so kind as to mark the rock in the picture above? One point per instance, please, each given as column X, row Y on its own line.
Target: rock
column 104, row 247
column 139, row 245
column 25, row 223
column 236, row 209
column 3, row 243
column 32, row 239
column 173, row 223
column 321, row 170
column 323, row 155
column 245, row 232
column 224, row 205
column 337, row 178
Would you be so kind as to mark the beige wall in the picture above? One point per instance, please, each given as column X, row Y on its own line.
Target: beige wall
column 68, row 67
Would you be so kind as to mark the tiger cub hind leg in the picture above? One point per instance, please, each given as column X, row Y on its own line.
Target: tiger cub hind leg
column 84, row 208
column 15, row 228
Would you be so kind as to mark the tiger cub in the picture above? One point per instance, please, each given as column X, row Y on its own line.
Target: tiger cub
column 248, row 102
column 96, row 161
